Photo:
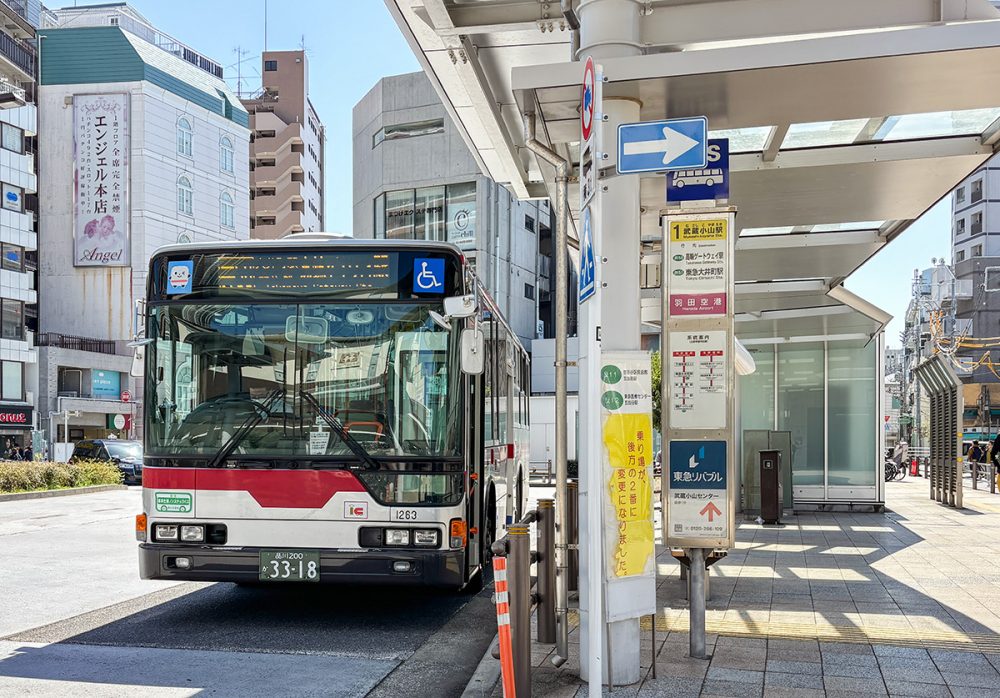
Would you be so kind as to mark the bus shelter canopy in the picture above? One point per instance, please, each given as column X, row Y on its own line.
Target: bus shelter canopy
column 846, row 121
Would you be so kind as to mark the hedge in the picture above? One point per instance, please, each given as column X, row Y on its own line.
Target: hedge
column 29, row 476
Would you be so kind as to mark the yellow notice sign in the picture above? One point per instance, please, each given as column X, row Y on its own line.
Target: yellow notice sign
column 684, row 231
column 629, row 442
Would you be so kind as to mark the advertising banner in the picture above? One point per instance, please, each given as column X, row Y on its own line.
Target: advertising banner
column 627, row 433
column 100, row 146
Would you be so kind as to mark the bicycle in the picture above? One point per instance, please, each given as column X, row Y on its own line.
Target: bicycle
column 894, row 471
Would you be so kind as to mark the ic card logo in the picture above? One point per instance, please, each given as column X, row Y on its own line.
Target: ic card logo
column 355, row 510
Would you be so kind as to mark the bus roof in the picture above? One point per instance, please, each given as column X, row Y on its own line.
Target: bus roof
column 304, row 240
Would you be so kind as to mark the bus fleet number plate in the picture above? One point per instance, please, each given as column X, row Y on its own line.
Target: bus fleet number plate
column 289, row 566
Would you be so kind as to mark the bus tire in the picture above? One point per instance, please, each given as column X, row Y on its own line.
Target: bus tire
column 488, row 536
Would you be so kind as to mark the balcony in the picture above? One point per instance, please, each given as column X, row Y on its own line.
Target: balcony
column 19, row 53
column 65, row 341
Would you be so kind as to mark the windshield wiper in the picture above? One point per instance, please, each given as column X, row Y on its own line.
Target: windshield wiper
column 244, row 429
column 356, row 448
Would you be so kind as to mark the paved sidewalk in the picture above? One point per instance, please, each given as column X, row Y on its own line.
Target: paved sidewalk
column 905, row 603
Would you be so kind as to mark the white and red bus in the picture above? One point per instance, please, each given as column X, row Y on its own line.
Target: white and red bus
column 322, row 409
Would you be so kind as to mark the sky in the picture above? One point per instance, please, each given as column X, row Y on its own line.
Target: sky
column 351, row 44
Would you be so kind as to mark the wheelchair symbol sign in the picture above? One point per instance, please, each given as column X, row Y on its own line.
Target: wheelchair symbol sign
column 428, row 275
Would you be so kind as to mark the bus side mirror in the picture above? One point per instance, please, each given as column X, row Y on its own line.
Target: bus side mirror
column 473, row 351
column 138, row 368
column 460, row 306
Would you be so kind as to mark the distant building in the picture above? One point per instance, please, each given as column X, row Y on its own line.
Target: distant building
column 143, row 145
column 18, row 223
column 415, row 178
column 287, row 150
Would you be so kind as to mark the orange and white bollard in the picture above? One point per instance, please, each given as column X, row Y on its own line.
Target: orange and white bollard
column 503, row 626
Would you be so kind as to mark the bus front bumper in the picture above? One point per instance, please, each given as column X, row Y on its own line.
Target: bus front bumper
column 439, row 568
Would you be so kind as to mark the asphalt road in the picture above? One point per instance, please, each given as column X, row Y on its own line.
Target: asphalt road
column 74, row 618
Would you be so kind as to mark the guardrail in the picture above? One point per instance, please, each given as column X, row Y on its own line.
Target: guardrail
column 515, row 594
column 540, row 471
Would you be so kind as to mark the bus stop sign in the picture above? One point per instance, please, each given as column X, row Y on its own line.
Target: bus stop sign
column 708, row 183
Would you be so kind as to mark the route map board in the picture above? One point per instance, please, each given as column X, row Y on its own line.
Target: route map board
column 698, row 379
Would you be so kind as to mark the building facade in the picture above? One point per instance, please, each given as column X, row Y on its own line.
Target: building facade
column 18, row 224
column 143, row 146
column 287, row 150
column 414, row 177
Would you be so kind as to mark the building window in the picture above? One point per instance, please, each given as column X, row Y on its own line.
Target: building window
column 184, row 137
column 960, row 227
column 977, row 191
column 185, row 196
column 226, row 211
column 462, row 213
column 13, row 257
column 12, row 380
column 13, row 138
column 11, row 319
column 270, row 66
column 408, row 130
column 529, row 292
column 960, row 256
column 13, row 197
column 226, row 155
column 977, row 223
column 960, row 195
column 529, row 222
column 429, row 213
column 977, row 251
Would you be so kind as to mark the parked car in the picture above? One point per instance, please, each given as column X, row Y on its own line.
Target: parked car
column 127, row 455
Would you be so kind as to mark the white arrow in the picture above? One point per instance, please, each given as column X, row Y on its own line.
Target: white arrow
column 672, row 145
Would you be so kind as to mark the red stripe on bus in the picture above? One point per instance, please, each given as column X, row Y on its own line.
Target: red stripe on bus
column 293, row 489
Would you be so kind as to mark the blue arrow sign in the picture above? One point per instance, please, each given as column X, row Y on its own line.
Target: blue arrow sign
column 655, row 146
column 587, row 272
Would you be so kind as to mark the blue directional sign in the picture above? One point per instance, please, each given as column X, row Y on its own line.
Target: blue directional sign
column 655, row 146
column 704, row 183
column 588, row 270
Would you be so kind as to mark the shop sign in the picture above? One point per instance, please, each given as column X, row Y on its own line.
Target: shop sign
column 19, row 417
column 105, row 384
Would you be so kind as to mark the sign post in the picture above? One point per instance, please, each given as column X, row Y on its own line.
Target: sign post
column 698, row 416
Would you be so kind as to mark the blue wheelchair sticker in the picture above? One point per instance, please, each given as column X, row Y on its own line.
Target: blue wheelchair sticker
column 428, row 275
column 179, row 276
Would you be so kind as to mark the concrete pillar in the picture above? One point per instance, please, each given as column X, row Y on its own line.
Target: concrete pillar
column 608, row 28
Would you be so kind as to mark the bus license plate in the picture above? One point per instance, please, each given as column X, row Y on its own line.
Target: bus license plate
column 289, row 566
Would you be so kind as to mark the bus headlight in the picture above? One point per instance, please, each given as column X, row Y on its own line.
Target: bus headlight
column 425, row 537
column 192, row 534
column 397, row 536
column 165, row 531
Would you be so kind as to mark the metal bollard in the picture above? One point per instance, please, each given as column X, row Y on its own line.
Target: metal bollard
column 546, row 571
column 519, row 578
column 573, row 510
column 993, row 478
column 975, row 475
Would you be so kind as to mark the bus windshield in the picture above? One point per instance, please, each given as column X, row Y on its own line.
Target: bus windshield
column 281, row 372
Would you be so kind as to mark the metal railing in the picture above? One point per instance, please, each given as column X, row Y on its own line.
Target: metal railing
column 18, row 53
column 65, row 341
column 519, row 596
column 540, row 471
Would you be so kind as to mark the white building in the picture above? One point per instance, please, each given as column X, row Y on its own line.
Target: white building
column 186, row 138
column 18, row 238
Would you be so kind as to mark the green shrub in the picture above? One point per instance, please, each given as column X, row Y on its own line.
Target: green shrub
column 27, row 476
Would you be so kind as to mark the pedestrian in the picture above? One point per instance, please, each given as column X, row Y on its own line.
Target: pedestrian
column 975, row 454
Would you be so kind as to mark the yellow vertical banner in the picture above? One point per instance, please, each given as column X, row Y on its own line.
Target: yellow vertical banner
column 627, row 434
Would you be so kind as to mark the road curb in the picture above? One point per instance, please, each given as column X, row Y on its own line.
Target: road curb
column 42, row 494
column 484, row 678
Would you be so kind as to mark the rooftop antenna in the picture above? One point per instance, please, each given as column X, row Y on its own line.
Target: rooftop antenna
column 241, row 54
column 265, row 25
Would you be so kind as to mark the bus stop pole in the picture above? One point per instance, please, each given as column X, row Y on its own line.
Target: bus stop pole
column 696, row 600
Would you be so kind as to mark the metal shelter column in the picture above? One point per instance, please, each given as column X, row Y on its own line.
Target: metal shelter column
column 609, row 321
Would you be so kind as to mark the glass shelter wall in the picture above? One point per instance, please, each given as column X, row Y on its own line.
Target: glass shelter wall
column 826, row 394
